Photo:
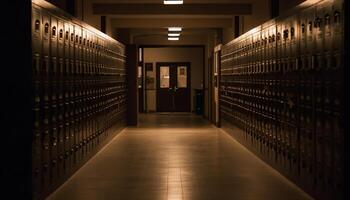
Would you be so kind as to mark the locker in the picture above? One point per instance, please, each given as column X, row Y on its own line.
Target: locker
column 36, row 30
column 310, row 32
column 72, row 41
column 45, row 140
column 46, row 33
column 337, row 20
column 319, row 27
column 67, row 40
column 303, row 28
column 61, row 150
column 53, row 35
column 326, row 17
column 61, row 39
column 53, row 148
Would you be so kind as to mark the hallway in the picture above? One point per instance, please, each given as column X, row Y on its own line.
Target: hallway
column 171, row 157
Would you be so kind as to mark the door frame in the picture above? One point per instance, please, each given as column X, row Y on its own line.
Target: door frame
column 187, row 64
column 205, row 76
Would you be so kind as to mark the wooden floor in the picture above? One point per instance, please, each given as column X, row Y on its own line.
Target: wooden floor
column 176, row 157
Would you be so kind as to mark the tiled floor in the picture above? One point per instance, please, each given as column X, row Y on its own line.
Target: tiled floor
column 176, row 157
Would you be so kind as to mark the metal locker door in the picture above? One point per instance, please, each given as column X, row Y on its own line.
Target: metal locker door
column 77, row 124
column 320, row 148
column 84, row 44
column 77, row 36
column 37, row 84
column 302, row 32
column 319, row 27
column 60, row 36
column 264, row 56
column 53, row 71
column 37, row 24
column 91, row 52
column 338, row 127
column 338, row 121
column 279, row 38
column 66, row 40
column 327, row 40
column 60, row 141
column 271, row 48
column 285, row 36
column 53, row 155
column 72, row 41
column 45, row 138
column 67, row 142
column 94, row 51
column 337, row 18
column 310, row 31
column 294, row 39
column 46, row 33
column 328, row 150
column 53, row 35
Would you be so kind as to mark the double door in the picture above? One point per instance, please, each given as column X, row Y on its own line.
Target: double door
column 173, row 87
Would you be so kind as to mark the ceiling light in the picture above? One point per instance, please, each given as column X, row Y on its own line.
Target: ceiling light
column 173, row 38
column 173, row 2
column 173, row 34
column 174, row 29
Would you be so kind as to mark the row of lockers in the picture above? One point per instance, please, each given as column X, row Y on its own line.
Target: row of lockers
column 264, row 45
column 79, row 80
column 281, row 84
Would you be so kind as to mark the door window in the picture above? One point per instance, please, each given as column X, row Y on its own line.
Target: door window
column 164, row 77
column 182, row 77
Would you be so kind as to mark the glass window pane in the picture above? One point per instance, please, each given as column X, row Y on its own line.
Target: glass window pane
column 164, row 77
column 182, row 77
column 139, row 72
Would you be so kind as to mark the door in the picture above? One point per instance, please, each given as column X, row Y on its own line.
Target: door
column 216, row 84
column 173, row 87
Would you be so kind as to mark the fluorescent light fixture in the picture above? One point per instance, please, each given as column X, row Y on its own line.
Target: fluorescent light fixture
column 174, row 29
column 173, row 2
column 173, row 38
column 173, row 34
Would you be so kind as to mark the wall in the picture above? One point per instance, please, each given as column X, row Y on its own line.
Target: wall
column 261, row 13
column 193, row 55
column 286, row 5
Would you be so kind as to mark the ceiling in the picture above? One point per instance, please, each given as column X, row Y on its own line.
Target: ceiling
column 152, row 17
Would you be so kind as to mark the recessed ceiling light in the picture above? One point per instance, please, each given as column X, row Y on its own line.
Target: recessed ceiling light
column 174, row 29
column 173, row 34
column 173, row 38
column 173, row 2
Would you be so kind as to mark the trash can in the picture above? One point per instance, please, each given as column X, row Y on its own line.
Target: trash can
column 199, row 101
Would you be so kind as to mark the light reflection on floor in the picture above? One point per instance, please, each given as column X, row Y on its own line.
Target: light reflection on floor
column 176, row 157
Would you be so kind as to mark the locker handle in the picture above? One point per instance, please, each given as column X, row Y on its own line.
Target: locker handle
column 46, row 28
column 327, row 20
column 336, row 17
column 292, row 32
column 61, row 33
column 310, row 26
column 37, row 25
column 54, row 31
column 318, row 22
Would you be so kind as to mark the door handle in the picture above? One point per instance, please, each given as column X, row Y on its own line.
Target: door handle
column 170, row 89
column 175, row 89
